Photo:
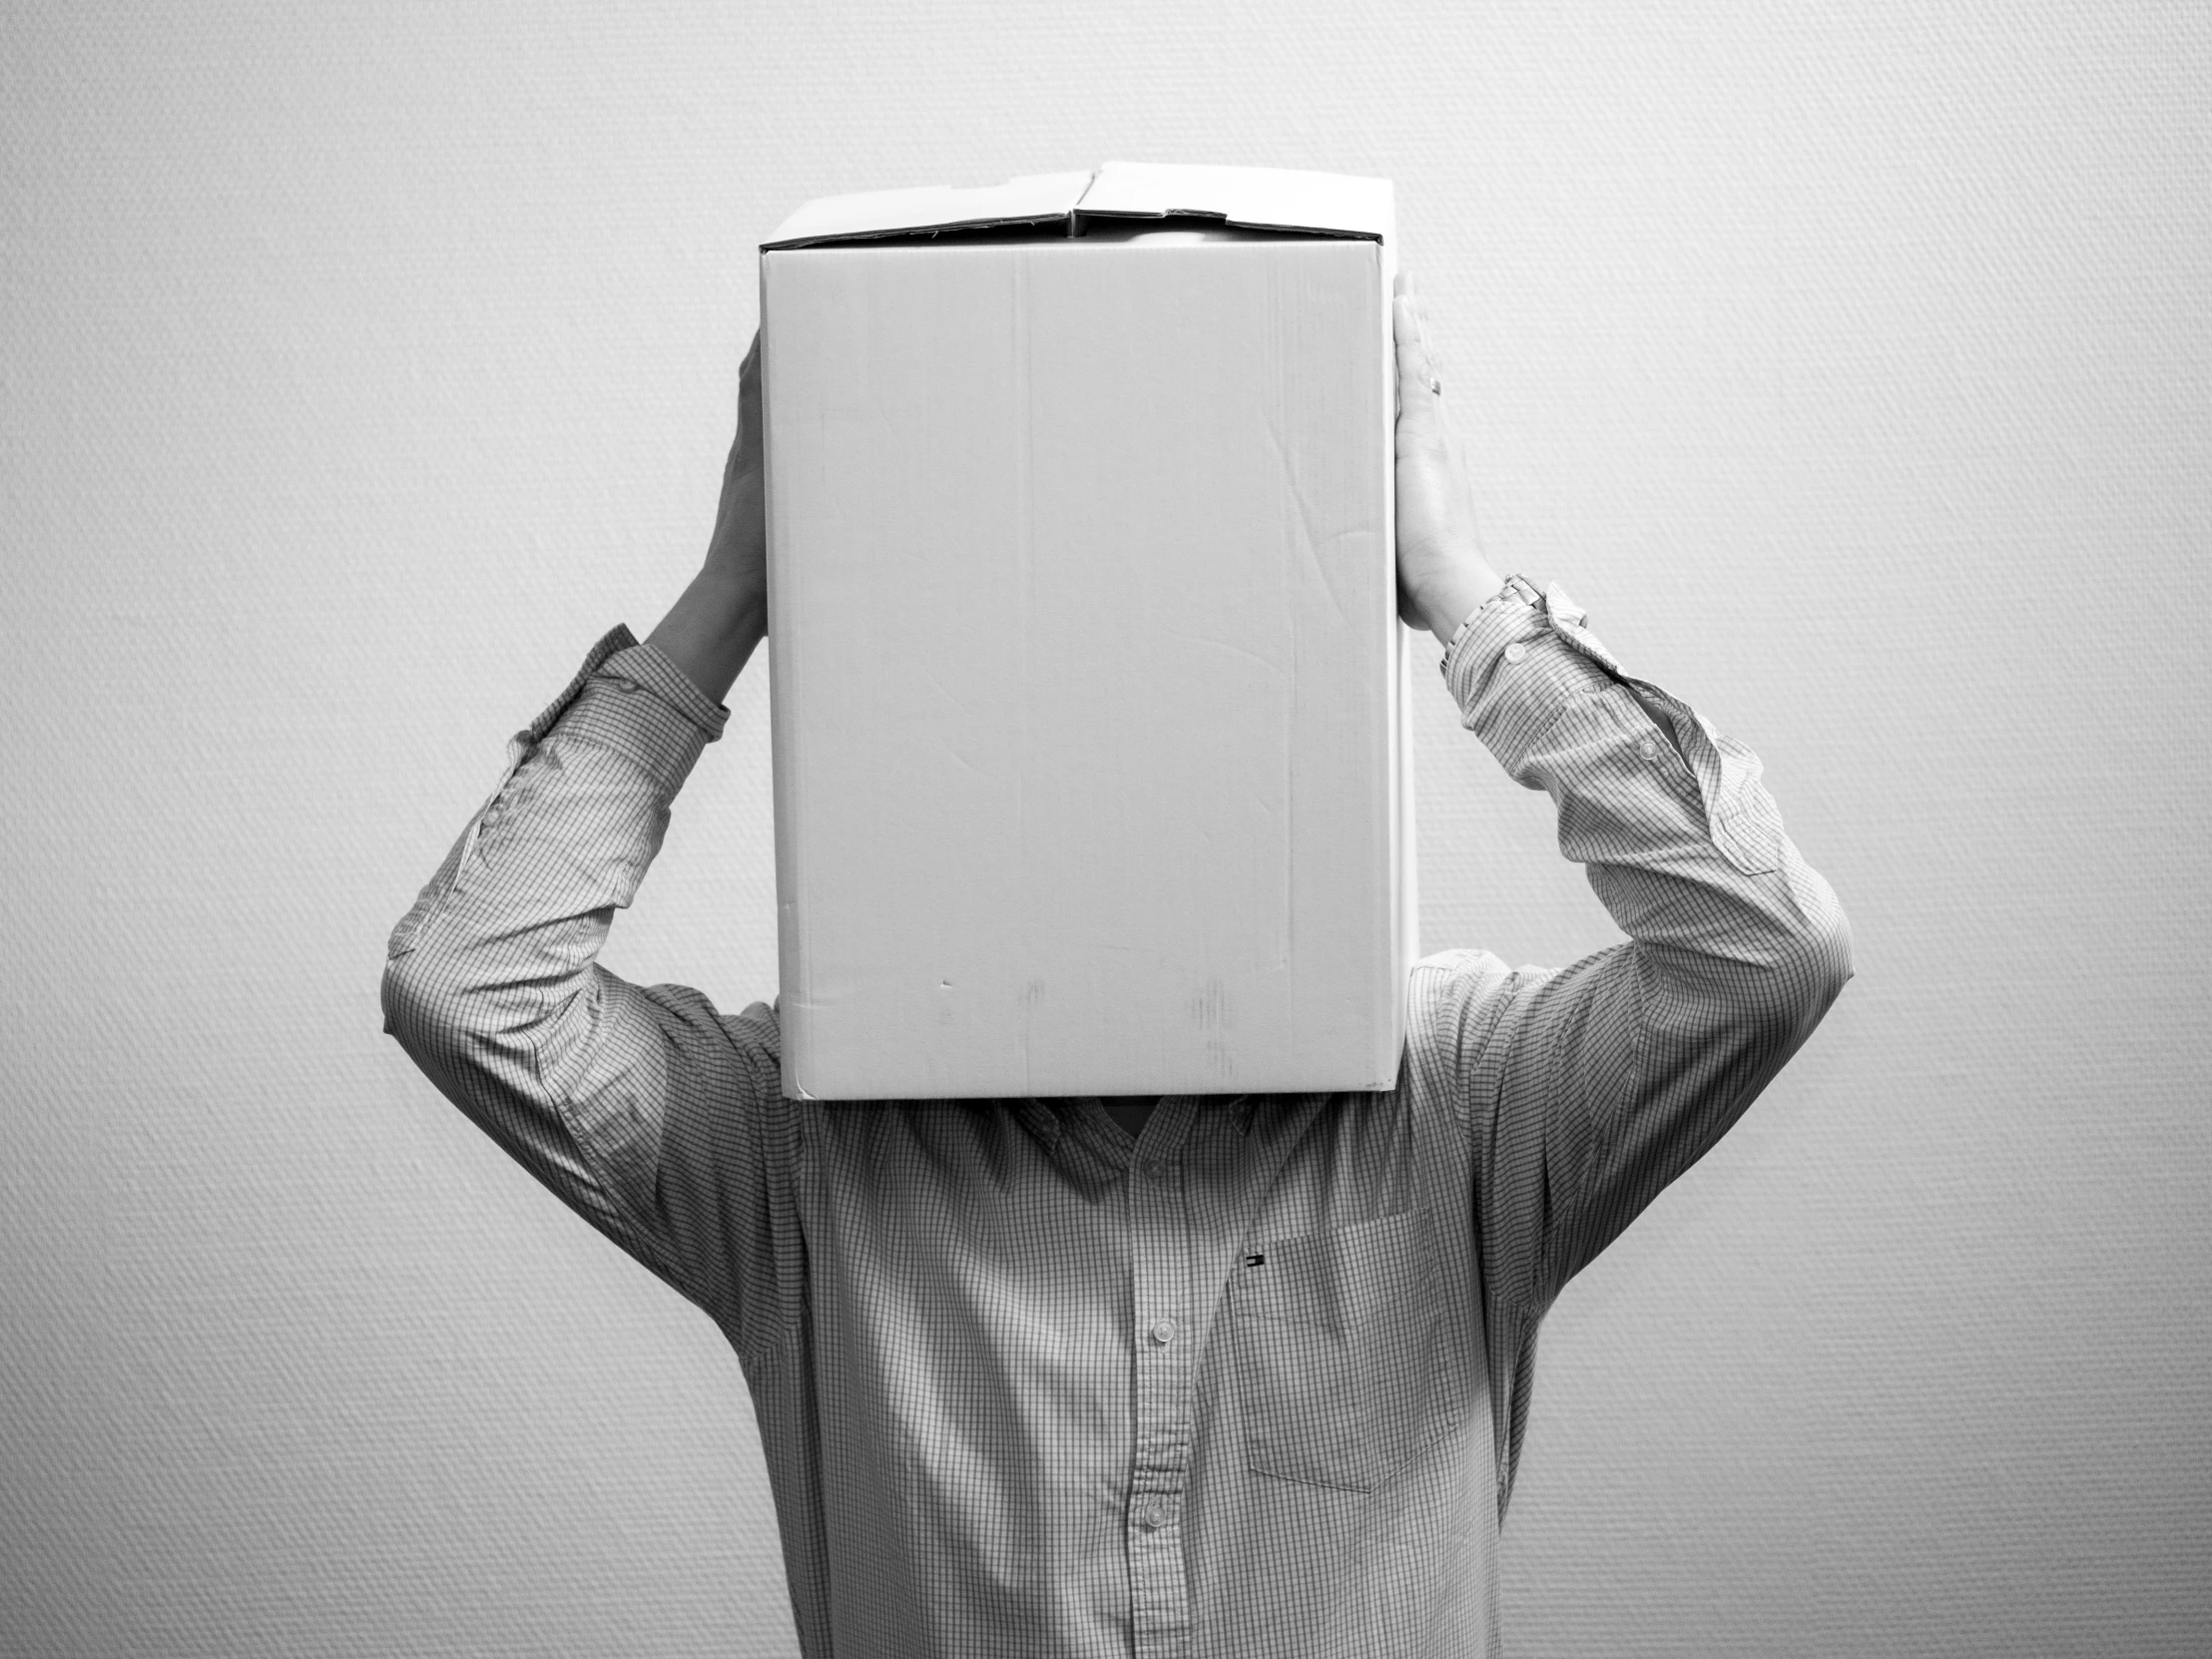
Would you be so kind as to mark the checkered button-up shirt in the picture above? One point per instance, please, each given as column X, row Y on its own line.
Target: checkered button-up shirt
column 1252, row 1385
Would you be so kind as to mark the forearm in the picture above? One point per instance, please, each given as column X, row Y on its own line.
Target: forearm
column 710, row 631
column 1453, row 594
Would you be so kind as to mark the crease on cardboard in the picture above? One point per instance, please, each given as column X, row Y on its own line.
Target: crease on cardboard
column 1308, row 544
column 1271, row 664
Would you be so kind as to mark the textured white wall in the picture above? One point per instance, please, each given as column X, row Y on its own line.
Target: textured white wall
column 359, row 365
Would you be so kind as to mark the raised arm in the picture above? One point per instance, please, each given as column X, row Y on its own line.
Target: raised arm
column 654, row 1117
column 1585, row 1091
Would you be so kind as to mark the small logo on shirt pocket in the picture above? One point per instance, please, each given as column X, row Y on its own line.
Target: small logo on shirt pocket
column 1336, row 1337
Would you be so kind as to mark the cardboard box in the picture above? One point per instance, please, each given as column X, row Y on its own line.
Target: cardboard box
column 1091, row 771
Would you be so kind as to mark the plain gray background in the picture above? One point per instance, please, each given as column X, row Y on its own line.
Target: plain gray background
column 357, row 370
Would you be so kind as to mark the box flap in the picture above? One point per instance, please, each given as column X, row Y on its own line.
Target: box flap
column 1259, row 197
column 1034, row 199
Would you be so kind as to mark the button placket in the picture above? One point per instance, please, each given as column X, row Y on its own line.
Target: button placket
column 1160, row 1247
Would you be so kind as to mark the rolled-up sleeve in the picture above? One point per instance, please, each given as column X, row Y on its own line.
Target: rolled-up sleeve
column 1587, row 1091
column 642, row 1108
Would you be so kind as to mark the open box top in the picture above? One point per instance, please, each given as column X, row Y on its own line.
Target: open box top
column 1253, row 197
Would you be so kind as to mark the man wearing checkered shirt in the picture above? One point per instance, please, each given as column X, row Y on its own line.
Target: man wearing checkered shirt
column 1198, row 1376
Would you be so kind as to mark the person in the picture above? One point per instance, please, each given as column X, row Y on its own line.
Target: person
column 1198, row 1376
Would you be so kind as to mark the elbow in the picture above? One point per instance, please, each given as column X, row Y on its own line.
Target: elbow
column 409, row 991
column 1807, row 974
column 1742, row 1013
column 431, row 1001
column 410, row 997
column 430, row 1007
column 458, row 1008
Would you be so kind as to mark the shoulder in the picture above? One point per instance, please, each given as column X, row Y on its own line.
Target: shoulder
column 1454, row 985
column 757, row 1031
column 1456, row 1004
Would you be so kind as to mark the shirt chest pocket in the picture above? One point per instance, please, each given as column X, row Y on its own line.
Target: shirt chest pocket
column 1336, row 1352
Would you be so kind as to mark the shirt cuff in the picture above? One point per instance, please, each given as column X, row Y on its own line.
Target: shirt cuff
column 1516, row 662
column 632, row 699
column 1523, row 657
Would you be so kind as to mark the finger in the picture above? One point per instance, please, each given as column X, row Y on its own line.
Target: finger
column 1418, row 381
column 1417, row 358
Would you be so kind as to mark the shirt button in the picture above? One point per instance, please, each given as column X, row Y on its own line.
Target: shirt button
column 1148, row 1519
column 1163, row 1331
column 1158, row 1170
column 1516, row 652
column 1650, row 749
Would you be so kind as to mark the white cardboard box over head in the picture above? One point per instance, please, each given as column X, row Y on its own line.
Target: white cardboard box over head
column 1090, row 743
